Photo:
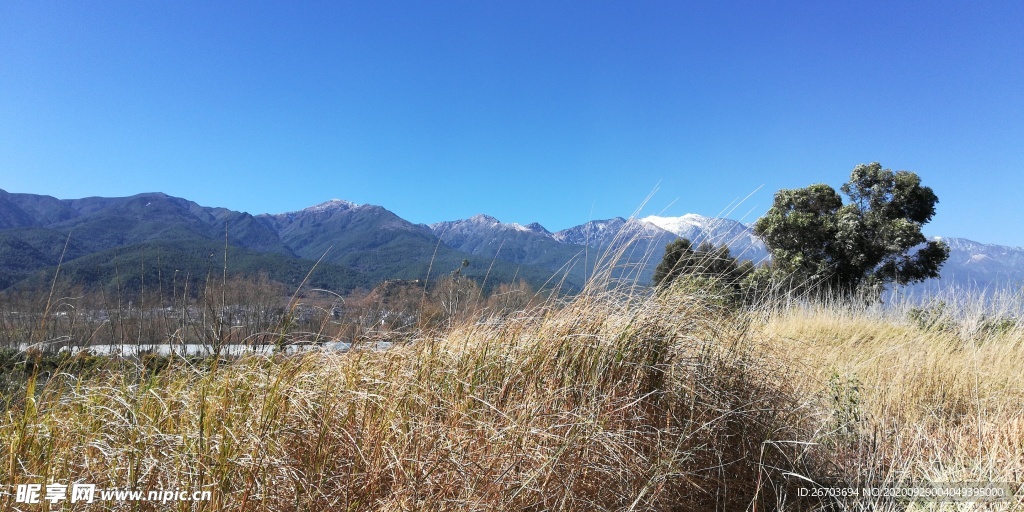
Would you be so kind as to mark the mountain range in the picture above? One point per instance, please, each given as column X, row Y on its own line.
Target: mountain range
column 129, row 241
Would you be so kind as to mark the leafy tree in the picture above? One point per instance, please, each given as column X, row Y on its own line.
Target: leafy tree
column 678, row 258
column 872, row 240
column 707, row 264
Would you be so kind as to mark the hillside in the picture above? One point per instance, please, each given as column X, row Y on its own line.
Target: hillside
column 486, row 236
column 367, row 244
column 361, row 245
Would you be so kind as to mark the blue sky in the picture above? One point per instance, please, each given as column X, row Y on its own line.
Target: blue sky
column 529, row 111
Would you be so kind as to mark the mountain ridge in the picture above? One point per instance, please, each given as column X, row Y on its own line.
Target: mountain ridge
column 363, row 244
column 371, row 242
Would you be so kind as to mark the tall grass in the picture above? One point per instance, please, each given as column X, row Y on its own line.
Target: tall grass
column 612, row 401
column 615, row 399
column 935, row 388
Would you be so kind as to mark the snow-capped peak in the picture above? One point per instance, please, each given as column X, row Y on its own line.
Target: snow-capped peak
column 481, row 218
column 333, row 204
column 493, row 222
column 327, row 207
column 481, row 222
column 537, row 228
column 681, row 224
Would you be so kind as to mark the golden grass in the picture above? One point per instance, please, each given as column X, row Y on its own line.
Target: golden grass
column 941, row 404
column 613, row 401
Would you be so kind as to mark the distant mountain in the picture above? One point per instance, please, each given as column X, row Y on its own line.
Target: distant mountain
column 367, row 243
column 375, row 241
column 99, row 223
column 365, row 237
column 485, row 236
column 113, row 240
column 973, row 264
column 605, row 233
column 660, row 231
column 640, row 243
column 635, row 246
column 127, row 240
column 740, row 238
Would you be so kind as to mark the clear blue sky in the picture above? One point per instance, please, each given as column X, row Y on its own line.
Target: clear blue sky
column 529, row 111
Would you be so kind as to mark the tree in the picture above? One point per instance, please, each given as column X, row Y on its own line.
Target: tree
column 677, row 259
column 871, row 241
column 707, row 265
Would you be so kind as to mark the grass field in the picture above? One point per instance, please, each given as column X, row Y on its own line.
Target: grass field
column 937, row 390
column 610, row 401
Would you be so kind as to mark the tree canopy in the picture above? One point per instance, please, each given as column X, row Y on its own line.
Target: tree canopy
column 708, row 264
column 872, row 240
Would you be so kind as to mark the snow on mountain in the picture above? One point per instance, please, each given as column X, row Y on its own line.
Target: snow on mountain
column 601, row 233
column 697, row 228
column 684, row 225
column 373, row 241
column 326, row 207
column 483, row 235
column 973, row 263
column 333, row 204
column 483, row 223
column 964, row 251
column 970, row 263
column 315, row 213
column 970, row 245
column 535, row 227
column 659, row 231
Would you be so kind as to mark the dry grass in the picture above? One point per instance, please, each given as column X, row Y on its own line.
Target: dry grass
column 613, row 401
column 939, row 399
